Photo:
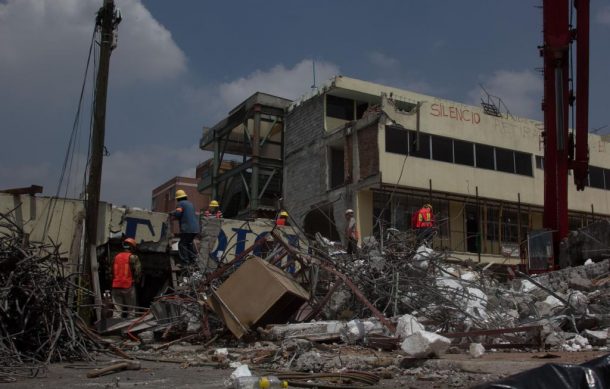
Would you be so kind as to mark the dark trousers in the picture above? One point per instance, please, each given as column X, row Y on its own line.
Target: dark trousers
column 352, row 246
column 424, row 234
column 186, row 248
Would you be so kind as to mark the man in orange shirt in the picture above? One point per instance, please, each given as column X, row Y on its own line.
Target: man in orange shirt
column 423, row 222
column 126, row 273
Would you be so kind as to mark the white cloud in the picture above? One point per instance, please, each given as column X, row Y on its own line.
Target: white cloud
column 279, row 80
column 129, row 176
column 44, row 43
column 521, row 91
column 603, row 17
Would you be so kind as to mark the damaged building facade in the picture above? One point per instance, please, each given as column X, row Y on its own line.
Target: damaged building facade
column 385, row 152
column 250, row 139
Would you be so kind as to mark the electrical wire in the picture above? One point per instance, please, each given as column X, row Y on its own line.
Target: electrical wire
column 70, row 150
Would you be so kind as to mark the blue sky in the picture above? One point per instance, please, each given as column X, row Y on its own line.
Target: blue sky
column 180, row 65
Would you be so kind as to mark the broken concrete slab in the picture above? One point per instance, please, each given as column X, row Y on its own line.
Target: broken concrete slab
column 408, row 325
column 424, row 344
column 596, row 338
column 476, row 350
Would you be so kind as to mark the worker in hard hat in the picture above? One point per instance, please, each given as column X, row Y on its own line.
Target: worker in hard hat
column 213, row 210
column 189, row 227
column 351, row 232
column 282, row 219
column 126, row 274
column 423, row 222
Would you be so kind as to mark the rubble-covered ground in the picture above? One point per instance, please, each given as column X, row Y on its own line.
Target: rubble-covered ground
column 450, row 371
column 397, row 314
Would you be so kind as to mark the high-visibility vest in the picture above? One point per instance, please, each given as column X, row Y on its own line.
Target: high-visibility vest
column 122, row 277
column 280, row 221
column 424, row 218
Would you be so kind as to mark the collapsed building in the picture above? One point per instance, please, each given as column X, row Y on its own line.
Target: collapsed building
column 383, row 152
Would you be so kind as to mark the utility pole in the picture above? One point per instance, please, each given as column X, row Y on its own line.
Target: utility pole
column 106, row 21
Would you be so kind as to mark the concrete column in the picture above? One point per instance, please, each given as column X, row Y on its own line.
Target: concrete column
column 256, row 136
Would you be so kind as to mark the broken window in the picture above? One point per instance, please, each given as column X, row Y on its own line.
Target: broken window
column 396, row 140
column 596, row 177
column 442, row 149
column 485, row 157
column 505, row 161
column 419, row 146
column 337, row 177
column 493, row 230
column 523, row 164
column 463, row 152
column 361, row 109
column 339, row 107
column 473, row 243
column 575, row 222
column 510, row 226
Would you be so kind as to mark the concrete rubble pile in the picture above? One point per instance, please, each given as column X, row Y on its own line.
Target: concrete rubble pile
column 377, row 311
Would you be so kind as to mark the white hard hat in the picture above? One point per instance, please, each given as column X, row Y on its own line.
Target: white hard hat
column 349, row 211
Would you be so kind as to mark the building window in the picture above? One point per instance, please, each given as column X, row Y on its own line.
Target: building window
column 523, row 164
column 419, row 146
column 493, row 230
column 463, row 152
column 361, row 109
column 539, row 162
column 505, row 162
column 485, row 157
column 396, row 140
column 442, row 149
column 607, row 178
column 596, row 177
column 339, row 108
column 337, row 177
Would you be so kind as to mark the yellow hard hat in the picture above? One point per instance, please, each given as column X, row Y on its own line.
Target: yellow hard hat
column 214, row 203
column 284, row 214
column 180, row 194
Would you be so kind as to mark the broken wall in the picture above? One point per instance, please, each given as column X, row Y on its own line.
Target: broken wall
column 59, row 220
column 305, row 159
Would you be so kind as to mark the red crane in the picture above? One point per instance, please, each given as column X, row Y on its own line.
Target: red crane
column 564, row 150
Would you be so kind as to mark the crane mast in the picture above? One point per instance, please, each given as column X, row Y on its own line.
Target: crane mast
column 563, row 149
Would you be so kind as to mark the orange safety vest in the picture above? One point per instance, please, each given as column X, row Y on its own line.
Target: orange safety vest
column 122, row 277
column 280, row 221
column 424, row 218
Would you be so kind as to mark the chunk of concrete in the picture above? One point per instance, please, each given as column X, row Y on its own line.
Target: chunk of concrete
column 580, row 283
column 549, row 306
column 309, row 361
column 476, row 350
column 424, row 344
column 421, row 257
column 596, row 338
column 407, row 325
column 578, row 302
column 357, row 329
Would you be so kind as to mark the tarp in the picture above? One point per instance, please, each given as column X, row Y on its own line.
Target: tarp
column 594, row 374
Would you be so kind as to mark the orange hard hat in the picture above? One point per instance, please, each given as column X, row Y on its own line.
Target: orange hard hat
column 129, row 242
